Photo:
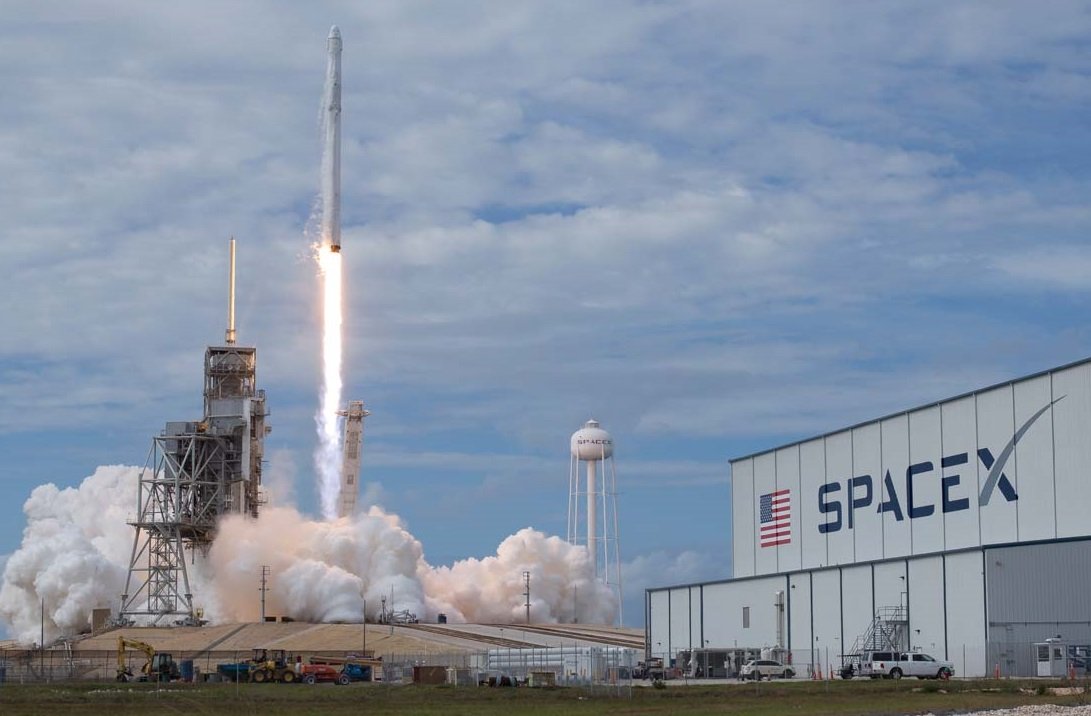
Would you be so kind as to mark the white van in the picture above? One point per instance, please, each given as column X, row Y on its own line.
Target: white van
column 895, row 665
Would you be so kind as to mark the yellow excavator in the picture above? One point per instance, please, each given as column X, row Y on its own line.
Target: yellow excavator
column 159, row 666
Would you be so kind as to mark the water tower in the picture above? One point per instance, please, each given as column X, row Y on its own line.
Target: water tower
column 595, row 525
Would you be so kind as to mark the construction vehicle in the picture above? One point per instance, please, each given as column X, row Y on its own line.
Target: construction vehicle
column 651, row 669
column 235, row 671
column 354, row 667
column 271, row 665
column 314, row 673
column 347, row 673
column 159, row 666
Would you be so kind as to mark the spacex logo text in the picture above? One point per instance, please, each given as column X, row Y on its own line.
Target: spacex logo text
column 839, row 503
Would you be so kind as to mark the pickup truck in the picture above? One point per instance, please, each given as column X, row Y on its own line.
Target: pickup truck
column 895, row 665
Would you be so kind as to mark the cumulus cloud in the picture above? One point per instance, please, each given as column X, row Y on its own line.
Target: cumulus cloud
column 515, row 147
column 1063, row 268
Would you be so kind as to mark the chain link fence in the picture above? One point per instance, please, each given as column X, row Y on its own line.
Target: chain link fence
column 1009, row 659
column 607, row 667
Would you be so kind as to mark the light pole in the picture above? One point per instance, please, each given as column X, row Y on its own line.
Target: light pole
column 41, row 655
column 814, row 657
column 526, row 592
column 363, row 623
column 903, row 606
column 264, row 588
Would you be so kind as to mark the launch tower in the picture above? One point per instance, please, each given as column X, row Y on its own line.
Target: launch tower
column 197, row 472
column 352, row 446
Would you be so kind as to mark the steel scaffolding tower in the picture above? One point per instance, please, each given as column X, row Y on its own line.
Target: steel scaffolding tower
column 196, row 473
column 351, row 446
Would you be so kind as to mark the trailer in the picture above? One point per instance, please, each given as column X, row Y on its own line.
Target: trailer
column 348, row 673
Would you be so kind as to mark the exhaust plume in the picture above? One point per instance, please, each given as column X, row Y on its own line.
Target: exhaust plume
column 327, row 457
column 77, row 544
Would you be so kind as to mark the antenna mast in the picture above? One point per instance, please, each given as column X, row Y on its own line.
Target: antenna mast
column 229, row 338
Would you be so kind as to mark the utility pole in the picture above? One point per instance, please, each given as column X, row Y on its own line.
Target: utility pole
column 526, row 592
column 41, row 654
column 363, row 649
column 264, row 588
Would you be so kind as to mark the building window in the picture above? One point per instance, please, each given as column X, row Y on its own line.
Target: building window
column 746, row 617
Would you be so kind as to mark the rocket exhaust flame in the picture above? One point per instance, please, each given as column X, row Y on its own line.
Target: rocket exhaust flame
column 328, row 452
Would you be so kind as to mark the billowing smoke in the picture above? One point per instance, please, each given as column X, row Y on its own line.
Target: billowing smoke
column 319, row 570
column 77, row 544
column 491, row 590
column 74, row 555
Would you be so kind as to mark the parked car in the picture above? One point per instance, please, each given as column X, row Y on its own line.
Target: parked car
column 895, row 665
column 758, row 669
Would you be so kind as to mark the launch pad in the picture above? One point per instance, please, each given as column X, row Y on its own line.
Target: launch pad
column 200, row 471
column 197, row 472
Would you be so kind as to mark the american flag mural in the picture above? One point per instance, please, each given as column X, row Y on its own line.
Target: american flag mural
column 775, row 509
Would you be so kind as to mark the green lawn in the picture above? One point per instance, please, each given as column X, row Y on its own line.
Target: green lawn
column 806, row 698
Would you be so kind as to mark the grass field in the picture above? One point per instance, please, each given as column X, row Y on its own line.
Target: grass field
column 803, row 698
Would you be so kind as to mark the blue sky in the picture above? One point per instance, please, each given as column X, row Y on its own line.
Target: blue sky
column 713, row 226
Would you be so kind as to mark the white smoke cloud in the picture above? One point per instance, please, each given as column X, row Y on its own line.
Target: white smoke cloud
column 73, row 557
column 319, row 571
column 491, row 590
column 278, row 479
column 77, row 544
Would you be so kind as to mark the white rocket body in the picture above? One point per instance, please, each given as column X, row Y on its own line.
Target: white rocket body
column 331, row 154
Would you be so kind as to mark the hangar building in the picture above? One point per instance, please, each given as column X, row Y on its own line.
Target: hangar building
column 961, row 528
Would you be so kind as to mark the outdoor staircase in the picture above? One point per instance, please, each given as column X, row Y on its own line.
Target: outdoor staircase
column 887, row 632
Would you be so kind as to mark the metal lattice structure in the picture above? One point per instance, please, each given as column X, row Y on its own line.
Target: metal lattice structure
column 197, row 472
column 352, row 446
